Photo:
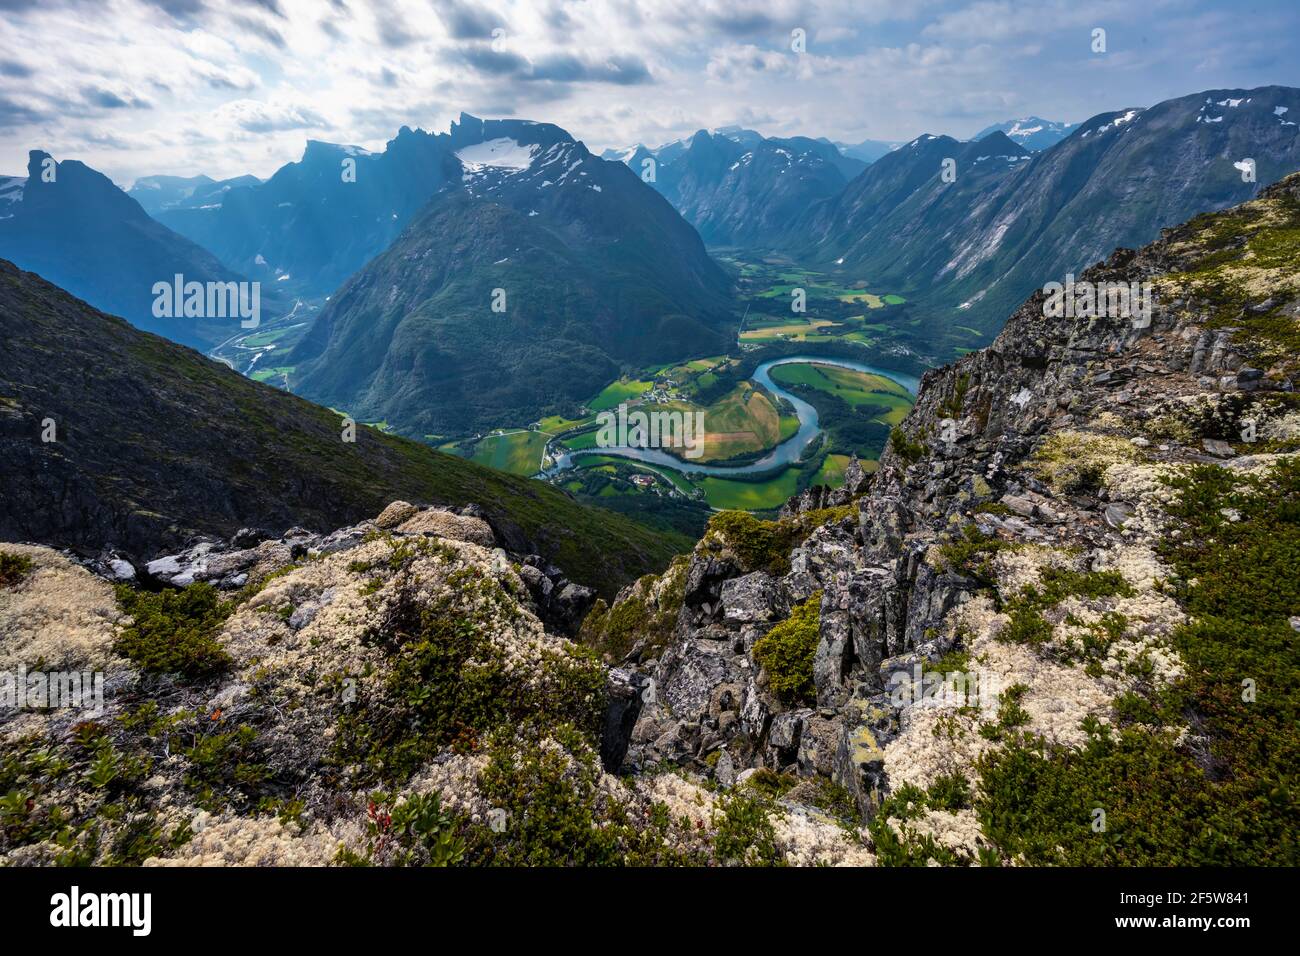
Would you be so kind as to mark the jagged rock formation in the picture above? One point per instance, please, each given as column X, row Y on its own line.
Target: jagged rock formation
column 1028, row 529
column 407, row 654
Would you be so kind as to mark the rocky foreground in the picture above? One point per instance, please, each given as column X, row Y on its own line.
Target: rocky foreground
column 1057, row 625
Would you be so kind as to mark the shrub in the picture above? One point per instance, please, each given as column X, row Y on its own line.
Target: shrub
column 786, row 652
column 173, row 631
column 13, row 568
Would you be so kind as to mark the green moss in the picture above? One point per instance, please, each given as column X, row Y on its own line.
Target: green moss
column 13, row 568
column 174, row 631
column 786, row 652
column 760, row 545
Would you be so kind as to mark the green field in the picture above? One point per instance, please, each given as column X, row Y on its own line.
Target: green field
column 519, row 453
column 856, row 388
column 727, row 493
column 624, row 390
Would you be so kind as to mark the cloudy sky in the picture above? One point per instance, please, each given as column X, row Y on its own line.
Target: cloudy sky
column 224, row 87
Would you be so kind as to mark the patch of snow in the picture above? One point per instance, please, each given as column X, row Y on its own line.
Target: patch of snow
column 500, row 153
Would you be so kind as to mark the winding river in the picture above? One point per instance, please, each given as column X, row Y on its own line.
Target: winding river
column 788, row 452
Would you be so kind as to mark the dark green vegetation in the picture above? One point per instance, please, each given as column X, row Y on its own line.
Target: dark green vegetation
column 613, row 632
column 449, row 685
column 786, row 652
column 766, row 545
column 13, row 568
column 155, row 443
column 173, row 631
column 1231, row 794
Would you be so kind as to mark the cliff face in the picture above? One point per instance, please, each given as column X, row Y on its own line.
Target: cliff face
column 1086, row 528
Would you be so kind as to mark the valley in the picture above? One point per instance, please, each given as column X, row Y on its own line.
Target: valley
column 776, row 423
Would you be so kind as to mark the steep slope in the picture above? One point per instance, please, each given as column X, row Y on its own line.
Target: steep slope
column 1056, row 596
column 740, row 188
column 317, row 221
column 76, row 228
column 968, row 251
column 154, row 444
column 595, row 270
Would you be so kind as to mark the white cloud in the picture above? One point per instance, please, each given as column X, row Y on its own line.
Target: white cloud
column 232, row 86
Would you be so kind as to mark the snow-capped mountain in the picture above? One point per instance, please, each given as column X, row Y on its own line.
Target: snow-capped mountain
column 1031, row 132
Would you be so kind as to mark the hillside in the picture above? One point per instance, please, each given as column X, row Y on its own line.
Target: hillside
column 969, row 251
column 156, row 444
column 595, row 270
column 1056, row 596
column 84, row 234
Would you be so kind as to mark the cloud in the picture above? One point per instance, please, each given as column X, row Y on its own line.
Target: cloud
column 109, row 100
column 258, row 117
column 233, row 86
column 466, row 21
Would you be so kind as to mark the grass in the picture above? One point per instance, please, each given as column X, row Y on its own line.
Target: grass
column 624, row 390
column 517, row 453
column 731, row 494
column 1231, row 795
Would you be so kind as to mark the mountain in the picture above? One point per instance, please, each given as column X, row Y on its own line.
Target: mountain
column 1074, row 554
column 157, row 194
column 317, row 221
column 1031, row 132
column 156, row 444
column 76, row 228
column 869, row 150
column 965, row 252
column 595, row 270
column 738, row 187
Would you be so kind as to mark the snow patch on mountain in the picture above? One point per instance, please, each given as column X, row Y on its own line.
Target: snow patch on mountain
column 500, row 153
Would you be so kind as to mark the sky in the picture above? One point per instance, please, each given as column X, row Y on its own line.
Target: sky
column 227, row 87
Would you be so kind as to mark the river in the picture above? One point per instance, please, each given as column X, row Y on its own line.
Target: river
column 787, row 452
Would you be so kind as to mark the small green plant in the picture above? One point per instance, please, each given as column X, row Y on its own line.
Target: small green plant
column 906, row 449
column 13, row 568
column 787, row 651
column 174, row 631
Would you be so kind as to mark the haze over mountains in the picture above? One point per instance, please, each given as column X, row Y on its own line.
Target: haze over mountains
column 74, row 227
column 737, row 187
